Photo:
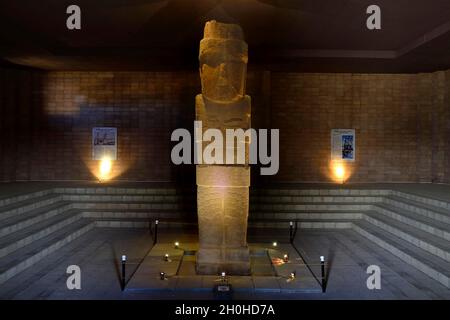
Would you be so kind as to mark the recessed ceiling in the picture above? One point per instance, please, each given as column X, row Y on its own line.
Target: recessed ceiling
column 298, row 35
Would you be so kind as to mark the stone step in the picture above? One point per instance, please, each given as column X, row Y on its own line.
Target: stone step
column 425, row 200
column 127, row 198
column 21, row 238
column 433, row 266
column 429, row 211
column 118, row 205
column 313, row 199
column 424, row 240
column 18, row 222
column 252, row 223
column 149, row 215
column 22, row 197
column 27, row 256
column 24, row 206
column 311, row 206
column 320, row 192
column 302, row 224
column 123, row 191
column 424, row 223
column 143, row 223
column 307, row 214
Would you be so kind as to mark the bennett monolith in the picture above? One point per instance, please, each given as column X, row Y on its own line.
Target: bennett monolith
column 223, row 189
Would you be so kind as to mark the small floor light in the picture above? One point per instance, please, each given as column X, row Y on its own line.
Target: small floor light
column 223, row 276
column 166, row 257
column 274, row 244
column 176, row 244
column 286, row 258
column 292, row 275
column 162, row 276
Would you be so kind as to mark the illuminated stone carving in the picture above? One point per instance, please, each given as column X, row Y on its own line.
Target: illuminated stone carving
column 223, row 189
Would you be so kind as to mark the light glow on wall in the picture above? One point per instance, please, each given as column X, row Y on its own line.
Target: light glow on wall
column 340, row 171
column 105, row 169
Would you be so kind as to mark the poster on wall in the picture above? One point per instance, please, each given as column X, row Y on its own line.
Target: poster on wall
column 343, row 144
column 104, row 143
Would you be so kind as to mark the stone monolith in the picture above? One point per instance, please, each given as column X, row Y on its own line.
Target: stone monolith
column 223, row 189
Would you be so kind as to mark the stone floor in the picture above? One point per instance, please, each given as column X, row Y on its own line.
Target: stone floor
column 98, row 254
column 181, row 275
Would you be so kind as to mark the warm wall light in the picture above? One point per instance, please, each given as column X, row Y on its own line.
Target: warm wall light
column 105, row 168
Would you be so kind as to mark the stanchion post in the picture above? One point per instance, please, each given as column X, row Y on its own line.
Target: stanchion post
column 124, row 262
column 291, row 231
column 156, row 232
column 322, row 268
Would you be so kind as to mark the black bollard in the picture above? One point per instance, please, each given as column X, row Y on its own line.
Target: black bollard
column 291, row 231
column 124, row 261
column 322, row 267
column 156, row 232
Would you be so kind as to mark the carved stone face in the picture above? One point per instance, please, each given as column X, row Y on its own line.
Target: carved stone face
column 223, row 65
column 223, row 80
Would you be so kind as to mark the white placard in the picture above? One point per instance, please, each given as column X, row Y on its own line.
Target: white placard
column 343, row 144
column 104, row 143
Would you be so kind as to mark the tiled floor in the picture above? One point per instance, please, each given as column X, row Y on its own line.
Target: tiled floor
column 98, row 253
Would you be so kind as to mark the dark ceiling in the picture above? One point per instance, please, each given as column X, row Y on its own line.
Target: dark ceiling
column 297, row 35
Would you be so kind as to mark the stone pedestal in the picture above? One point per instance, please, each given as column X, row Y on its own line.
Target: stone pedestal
column 223, row 189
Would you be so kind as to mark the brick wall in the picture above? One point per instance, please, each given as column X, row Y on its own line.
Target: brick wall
column 401, row 122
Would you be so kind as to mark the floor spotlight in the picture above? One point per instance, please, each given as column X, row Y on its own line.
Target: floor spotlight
column 286, row 258
column 292, row 275
column 166, row 257
column 274, row 244
column 223, row 277
column 162, row 276
column 176, row 244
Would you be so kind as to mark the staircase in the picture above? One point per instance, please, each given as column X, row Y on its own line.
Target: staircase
column 416, row 229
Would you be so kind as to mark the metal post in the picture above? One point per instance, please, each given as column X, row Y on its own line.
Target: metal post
column 322, row 267
column 291, row 232
column 156, row 232
column 124, row 261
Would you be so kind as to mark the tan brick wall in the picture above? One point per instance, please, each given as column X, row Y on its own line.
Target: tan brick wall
column 401, row 122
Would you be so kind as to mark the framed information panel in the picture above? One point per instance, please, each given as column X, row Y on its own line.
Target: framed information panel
column 104, row 143
column 343, row 144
